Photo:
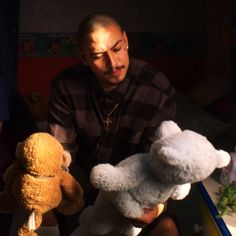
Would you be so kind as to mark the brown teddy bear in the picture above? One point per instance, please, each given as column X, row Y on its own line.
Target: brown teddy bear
column 39, row 181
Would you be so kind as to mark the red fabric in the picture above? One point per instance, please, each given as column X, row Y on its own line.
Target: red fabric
column 35, row 72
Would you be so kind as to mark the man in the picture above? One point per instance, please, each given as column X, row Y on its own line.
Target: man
column 109, row 107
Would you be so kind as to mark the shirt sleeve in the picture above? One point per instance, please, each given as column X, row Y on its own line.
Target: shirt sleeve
column 61, row 124
column 165, row 110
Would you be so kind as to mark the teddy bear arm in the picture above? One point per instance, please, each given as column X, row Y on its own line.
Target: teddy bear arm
column 12, row 172
column 181, row 191
column 72, row 194
column 25, row 230
column 223, row 158
column 112, row 178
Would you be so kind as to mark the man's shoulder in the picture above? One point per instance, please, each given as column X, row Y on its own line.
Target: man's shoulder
column 145, row 74
column 75, row 72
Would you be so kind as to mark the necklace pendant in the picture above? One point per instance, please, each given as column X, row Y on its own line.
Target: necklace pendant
column 107, row 123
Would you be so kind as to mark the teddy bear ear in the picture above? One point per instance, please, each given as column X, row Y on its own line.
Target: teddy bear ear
column 18, row 152
column 66, row 159
column 167, row 128
column 223, row 158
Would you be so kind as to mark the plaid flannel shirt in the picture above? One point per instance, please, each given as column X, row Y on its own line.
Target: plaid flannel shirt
column 79, row 107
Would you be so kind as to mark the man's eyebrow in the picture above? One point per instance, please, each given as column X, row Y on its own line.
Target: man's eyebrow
column 116, row 43
column 96, row 53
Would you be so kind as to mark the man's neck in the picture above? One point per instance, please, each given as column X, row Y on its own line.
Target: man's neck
column 108, row 87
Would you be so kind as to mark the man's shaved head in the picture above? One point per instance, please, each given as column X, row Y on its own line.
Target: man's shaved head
column 103, row 47
column 92, row 22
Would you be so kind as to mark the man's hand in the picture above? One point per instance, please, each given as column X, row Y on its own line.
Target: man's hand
column 148, row 216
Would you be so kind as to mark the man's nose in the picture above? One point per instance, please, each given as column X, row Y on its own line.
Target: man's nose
column 111, row 59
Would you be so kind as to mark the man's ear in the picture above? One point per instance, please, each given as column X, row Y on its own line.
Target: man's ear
column 81, row 56
column 126, row 42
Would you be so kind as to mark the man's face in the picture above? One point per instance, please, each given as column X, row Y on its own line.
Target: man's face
column 106, row 53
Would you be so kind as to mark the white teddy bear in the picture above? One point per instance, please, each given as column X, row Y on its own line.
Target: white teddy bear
column 176, row 159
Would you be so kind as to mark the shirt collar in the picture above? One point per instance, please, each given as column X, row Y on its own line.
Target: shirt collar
column 116, row 94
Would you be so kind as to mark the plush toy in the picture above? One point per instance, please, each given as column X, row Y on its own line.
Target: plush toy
column 39, row 181
column 176, row 159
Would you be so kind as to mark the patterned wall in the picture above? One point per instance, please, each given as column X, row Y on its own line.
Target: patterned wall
column 141, row 44
column 180, row 56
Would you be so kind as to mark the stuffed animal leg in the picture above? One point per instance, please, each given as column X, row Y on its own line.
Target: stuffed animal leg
column 32, row 223
column 102, row 218
column 87, row 226
column 73, row 200
column 181, row 191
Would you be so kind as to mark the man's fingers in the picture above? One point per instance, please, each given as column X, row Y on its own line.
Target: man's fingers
column 160, row 208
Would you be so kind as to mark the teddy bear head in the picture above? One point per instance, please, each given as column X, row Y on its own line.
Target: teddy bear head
column 181, row 157
column 42, row 155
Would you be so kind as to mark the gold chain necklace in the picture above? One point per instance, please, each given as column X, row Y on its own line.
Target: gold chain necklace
column 108, row 121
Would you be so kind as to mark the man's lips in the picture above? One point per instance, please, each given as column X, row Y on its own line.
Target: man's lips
column 116, row 71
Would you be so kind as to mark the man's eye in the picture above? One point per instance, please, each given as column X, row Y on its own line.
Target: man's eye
column 96, row 56
column 117, row 49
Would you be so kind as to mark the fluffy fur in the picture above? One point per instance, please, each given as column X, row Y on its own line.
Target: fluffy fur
column 176, row 159
column 38, row 182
